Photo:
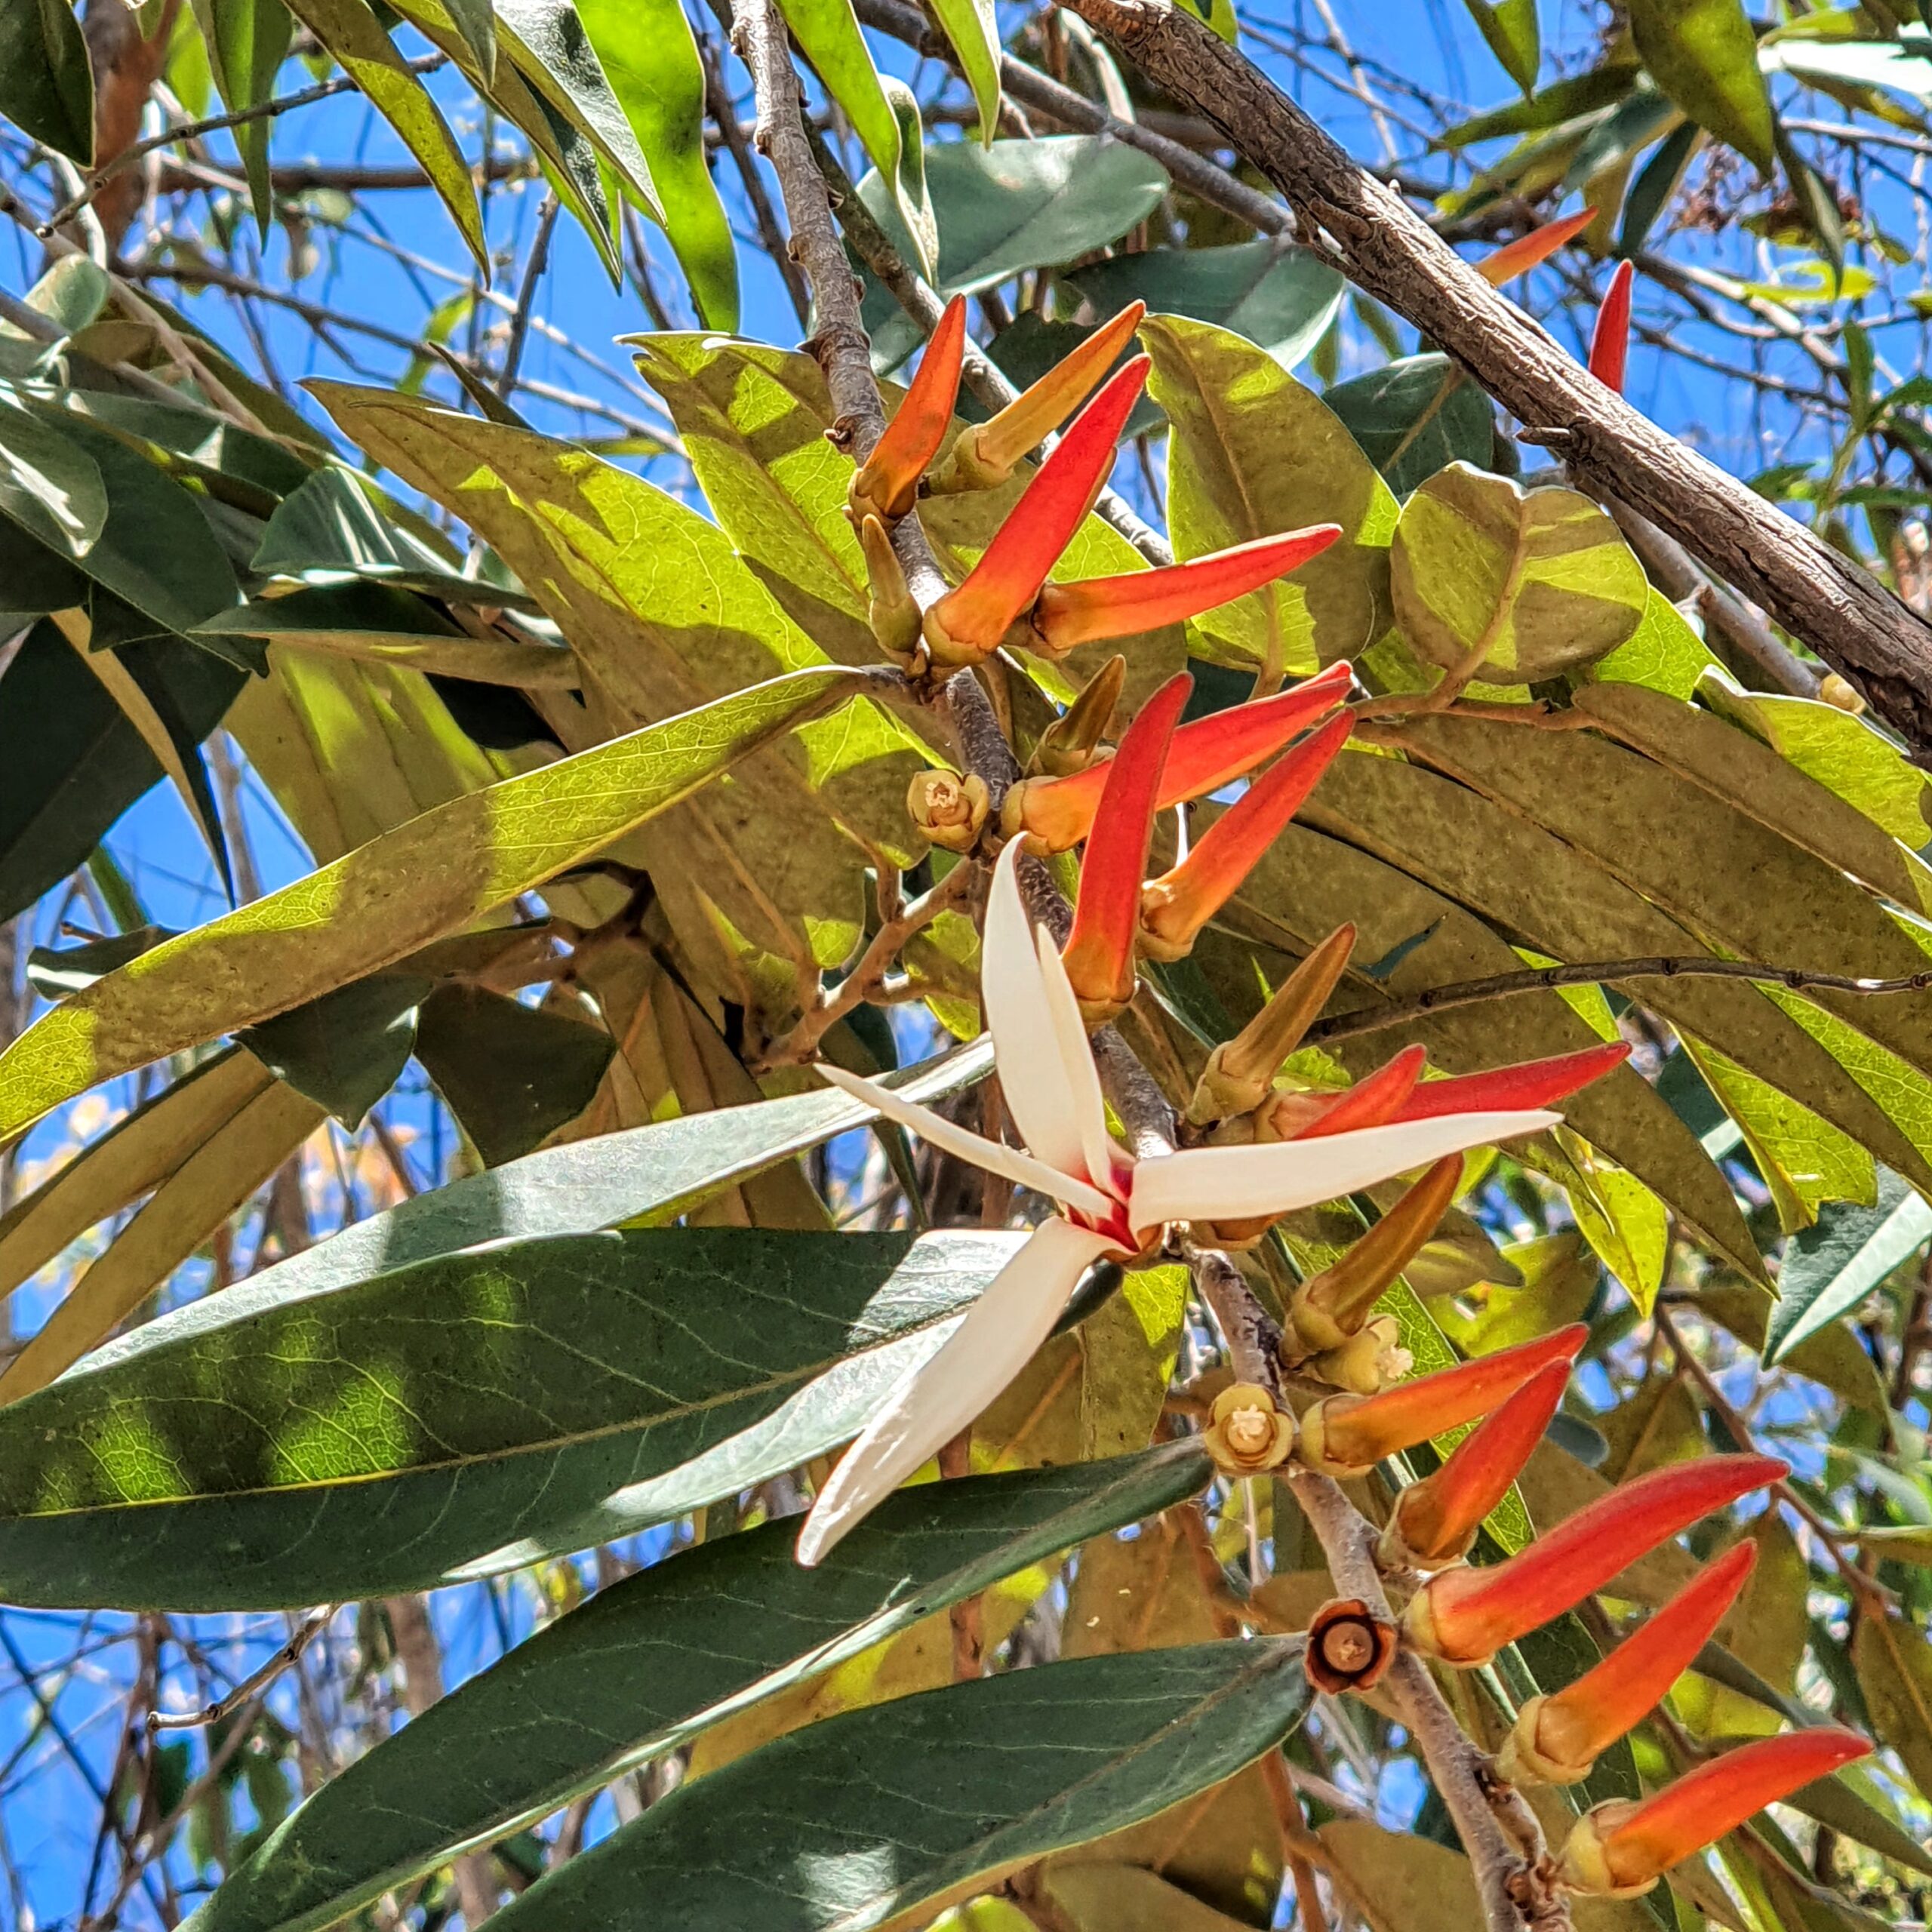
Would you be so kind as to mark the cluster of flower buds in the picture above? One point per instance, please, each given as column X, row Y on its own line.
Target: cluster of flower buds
column 1005, row 597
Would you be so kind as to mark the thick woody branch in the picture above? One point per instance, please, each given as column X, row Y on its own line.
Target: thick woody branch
column 1838, row 609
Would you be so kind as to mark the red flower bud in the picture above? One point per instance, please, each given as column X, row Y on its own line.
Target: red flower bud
column 1535, row 1083
column 1610, row 340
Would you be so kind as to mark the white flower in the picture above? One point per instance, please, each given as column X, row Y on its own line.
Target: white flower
column 1111, row 1203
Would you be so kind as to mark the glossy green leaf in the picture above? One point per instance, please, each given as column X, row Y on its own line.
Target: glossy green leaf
column 1253, row 453
column 868, row 1815
column 71, row 762
column 1027, row 205
column 972, row 27
column 512, row 1074
column 247, row 42
column 828, row 31
column 46, row 83
column 1510, row 28
column 644, row 1177
column 649, row 1663
column 1415, row 415
column 1703, row 53
column 49, row 485
column 1522, row 583
column 461, row 1417
column 429, row 877
column 651, row 60
column 347, row 1049
column 351, row 32
column 1276, row 295
column 1828, row 1269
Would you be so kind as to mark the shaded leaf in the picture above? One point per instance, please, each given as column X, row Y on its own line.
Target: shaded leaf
column 1703, row 53
column 656, row 1659
column 1894, row 1660
column 46, row 83
column 1028, row 1761
column 264, row 1448
column 1828, row 1269
column 1125, row 1898
column 345, row 1050
column 48, row 484
column 54, row 972
column 1413, row 416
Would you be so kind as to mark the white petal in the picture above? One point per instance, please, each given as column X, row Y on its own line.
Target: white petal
column 1026, row 1047
column 996, row 1340
column 962, row 1141
column 1083, row 1077
column 1232, row 1183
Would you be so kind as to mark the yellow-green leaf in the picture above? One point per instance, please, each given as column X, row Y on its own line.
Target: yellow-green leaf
column 972, row 27
column 1892, row 1657
column 1703, row 53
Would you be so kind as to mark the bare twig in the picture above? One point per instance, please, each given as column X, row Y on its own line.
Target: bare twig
column 526, row 300
column 256, row 1681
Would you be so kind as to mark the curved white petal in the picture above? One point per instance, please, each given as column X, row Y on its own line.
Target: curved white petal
column 1026, row 1047
column 1233, row 1183
column 996, row 1340
column 1018, row 1168
column 1083, row 1077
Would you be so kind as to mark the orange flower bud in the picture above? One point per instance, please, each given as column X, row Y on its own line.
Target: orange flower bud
column 886, row 483
column 949, row 809
column 1246, row 1434
column 1331, row 1306
column 1464, row 1617
column 1534, row 1083
column 1373, row 1101
column 1610, row 340
column 1347, row 1435
column 1348, row 1647
column 1099, row 956
column 969, row 623
column 1621, row 1848
column 1070, row 614
column 1519, row 256
column 1434, row 1520
column 1057, row 813
column 1558, row 1738
column 984, row 455
column 1174, row 907
column 1241, row 1071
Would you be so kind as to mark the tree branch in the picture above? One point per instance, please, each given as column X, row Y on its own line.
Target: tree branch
column 1840, row 611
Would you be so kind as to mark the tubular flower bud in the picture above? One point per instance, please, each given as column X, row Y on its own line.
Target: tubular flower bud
column 1330, row 1307
column 1535, row 1083
column 886, row 483
column 1519, row 256
column 1368, row 1362
column 1558, row 1738
column 1069, row 743
column 1373, row 1099
column 1069, row 614
column 948, row 808
column 1621, row 1848
column 1464, row 1617
column 1099, row 957
column 1347, row 1435
column 890, row 609
column 968, row 623
column 1057, row 813
column 1174, row 907
column 1834, row 691
column 1434, row 1521
column 1349, row 1647
column 1246, row 1434
column 1610, row 340
column 983, row 456
column 1240, row 1072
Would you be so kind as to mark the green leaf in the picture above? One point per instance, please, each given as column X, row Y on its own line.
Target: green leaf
column 651, row 60
column 870, row 1814
column 511, row 1074
column 54, row 972
column 1254, row 453
column 1413, row 416
column 1576, row 97
column 1663, row 652
column 351, row 32
column 1523, row 583
column 1829, row 1269
column 828, row 31
column 1510, row 28
column 48, row 484
column 71, row 762
column 1703, row 53
column 46, row 83
column 1650, row 193
column 1277, row 295
column 347, row 1049
column 247, row 40
column 263, row 1448
column 1893, row 1662
column 972, row 27
column 431, row 876
column 644, row 1177
column 649, row 1663
column 1018, row 205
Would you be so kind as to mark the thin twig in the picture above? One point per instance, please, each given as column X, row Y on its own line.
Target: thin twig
column 526, row 300
column 306, row 1633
